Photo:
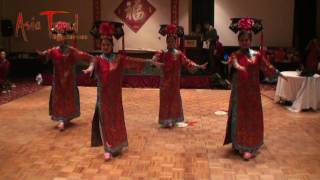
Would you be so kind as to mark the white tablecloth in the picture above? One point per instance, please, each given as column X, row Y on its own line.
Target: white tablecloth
column 303, row 92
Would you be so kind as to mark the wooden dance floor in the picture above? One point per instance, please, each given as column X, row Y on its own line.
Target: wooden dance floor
column 31, row 148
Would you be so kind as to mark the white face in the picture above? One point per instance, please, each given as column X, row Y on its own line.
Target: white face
column 206, row 26
column 60, row 38
column 2, row 55
column 106, row 46
column 171, row 42
column 245, row 42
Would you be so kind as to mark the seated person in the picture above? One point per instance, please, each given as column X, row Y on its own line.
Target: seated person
column 280, row 55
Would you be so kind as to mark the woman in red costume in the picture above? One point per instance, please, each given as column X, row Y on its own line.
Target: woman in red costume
column 171, row 111
column 245, row 118
column 64, row 102
column 108, row 124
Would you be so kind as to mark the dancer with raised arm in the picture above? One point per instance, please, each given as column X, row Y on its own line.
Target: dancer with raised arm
column 108, row 124
column 64, row 102
column 245, row 119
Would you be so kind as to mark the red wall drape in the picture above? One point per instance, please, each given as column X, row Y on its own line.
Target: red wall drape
column 175, row 12
column 96, row 17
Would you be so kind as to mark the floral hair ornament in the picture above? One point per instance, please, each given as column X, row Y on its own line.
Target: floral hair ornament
column 171, row 30
column 62, row 27
column 107, row 29
column 246, row 24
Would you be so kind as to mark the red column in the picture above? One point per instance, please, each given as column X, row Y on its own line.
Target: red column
column 96, row 17
column 175, row 18
column 175, row 12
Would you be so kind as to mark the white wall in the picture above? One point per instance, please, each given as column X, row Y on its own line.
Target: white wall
column 277, row 16
column 185, row 14
column 147, row 38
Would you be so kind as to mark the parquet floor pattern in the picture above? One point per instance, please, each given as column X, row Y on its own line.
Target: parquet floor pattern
column 31, row 148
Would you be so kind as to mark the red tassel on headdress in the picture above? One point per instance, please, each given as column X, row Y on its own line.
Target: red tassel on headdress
column 262, row 51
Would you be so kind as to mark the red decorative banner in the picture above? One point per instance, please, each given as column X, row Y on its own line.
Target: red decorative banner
column 175, row 11
column 96, row 17
column 134, row 13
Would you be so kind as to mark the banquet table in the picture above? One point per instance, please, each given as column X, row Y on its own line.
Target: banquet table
column 303, row 92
